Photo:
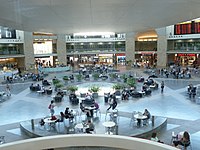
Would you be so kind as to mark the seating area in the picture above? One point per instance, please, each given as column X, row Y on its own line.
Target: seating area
column 118, row 118
column 73, row 99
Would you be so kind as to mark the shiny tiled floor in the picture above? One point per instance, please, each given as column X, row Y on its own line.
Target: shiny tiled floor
column 182, row 113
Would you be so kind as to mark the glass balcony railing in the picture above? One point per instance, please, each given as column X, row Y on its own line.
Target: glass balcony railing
column 93, row 50
column 11, row 52
column 184, row 49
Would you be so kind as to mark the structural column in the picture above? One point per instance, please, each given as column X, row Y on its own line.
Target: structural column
column 130, row 47
column 29, row 51
column 61, row 49
column 161, row 47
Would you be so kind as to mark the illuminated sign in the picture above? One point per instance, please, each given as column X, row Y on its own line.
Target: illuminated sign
column 186, row 54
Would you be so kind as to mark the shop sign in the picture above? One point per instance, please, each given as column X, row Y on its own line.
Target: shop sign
column 120, row 54
column 186, row 54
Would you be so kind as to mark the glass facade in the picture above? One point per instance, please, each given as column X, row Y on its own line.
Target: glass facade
column 184, row 45
column 146, row 46
column 11, row 49
column 95, row 47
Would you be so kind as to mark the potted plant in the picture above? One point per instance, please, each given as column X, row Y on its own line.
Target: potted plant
column 58, row 85
column 131, row 82
column 94, row 90
column 95, row 76
column 55, row 81
column 72, row 88
column 113, row 76
column 117, row 87
column 79, row 77
column 66, row 79
column 124, row 77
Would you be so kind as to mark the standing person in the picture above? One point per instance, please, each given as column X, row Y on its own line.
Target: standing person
column 8, row 90
column 110, row 102
column 51, row 108
column 162, row 86
column 114, row 105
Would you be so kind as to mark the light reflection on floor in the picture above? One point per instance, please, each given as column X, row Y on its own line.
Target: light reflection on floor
column 105, row 87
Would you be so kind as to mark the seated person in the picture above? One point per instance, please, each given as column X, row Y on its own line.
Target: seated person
column 45, row 82
column 90, row 126
column 53, row 117
column 32, row 87
column 96, row 105
column 87, row 76
column 124, row 95
column 72, row 96
column 87, row 111
column 60, row 92
column 38, row 87
column 87, row 96
column 42, row 122
column 71, row 77
column 155, row 138
column 184, row 141
column 68, row 113
column 49, row 91
column 146, row 113
column 62, row 116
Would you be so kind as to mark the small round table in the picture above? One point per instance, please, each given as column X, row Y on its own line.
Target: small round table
column 109, row 125
column 80, row 127
column 51, row 123
column 139, row 117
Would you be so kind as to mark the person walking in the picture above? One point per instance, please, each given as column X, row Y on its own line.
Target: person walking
column 8, row 90
column 162, row 86
column 51, row 108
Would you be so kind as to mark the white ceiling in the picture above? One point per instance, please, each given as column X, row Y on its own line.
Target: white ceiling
column 71, row 16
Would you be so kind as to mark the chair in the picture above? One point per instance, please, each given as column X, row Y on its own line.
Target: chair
column 114, row 116
column 174, row 137
column 2, row 139
column 133, row 119
column 96, row 111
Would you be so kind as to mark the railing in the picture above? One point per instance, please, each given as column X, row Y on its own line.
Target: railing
column 57, row 69
column 86, row 140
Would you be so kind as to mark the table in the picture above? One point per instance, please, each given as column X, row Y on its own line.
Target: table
column 2, row 93
column 80, row 127
column 140, row 117
column 90, row 108
column 41, row 92
column 141, row 92
column 109, row 125
column 51, row 123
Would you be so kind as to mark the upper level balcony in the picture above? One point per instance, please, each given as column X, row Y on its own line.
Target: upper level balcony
column 95, row 39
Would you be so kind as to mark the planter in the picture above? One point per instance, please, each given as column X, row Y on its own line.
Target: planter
column 95, row 95
column 82, row 94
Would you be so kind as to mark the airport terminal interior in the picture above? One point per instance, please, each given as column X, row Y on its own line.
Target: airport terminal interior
column 124, row 56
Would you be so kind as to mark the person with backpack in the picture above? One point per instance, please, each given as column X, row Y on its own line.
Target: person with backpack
column 51, row 108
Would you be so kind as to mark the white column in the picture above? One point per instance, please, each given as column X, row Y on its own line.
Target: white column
column 161, row 47
column 61, row 49
column 29, row 51
column 130, row 46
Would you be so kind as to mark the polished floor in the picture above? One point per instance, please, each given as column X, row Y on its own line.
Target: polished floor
column 182, row 113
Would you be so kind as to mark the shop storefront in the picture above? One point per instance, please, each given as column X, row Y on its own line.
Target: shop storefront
column 146, row 59
column 121, row 58
column 47, row 61
column 185, row 59
column 105, row 58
